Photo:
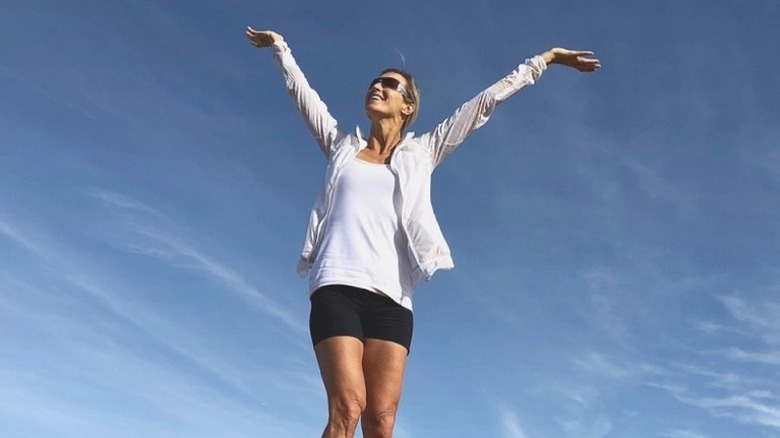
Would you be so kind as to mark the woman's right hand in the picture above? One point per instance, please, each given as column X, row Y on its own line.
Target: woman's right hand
column 262, row 38
column 581, row 60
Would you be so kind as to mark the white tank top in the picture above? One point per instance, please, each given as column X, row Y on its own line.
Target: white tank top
column 363, row 245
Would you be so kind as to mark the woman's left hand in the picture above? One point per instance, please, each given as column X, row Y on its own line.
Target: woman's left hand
column 581, row 60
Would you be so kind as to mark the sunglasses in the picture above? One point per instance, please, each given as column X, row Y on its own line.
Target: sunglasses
column 392, row 83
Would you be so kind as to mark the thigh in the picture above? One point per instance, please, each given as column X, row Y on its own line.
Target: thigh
column 340, row 359
column 384, row 363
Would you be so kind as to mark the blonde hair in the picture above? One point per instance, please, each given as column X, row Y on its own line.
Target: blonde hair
column 413, row 98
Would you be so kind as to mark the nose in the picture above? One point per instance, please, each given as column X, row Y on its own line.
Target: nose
column 376, row 85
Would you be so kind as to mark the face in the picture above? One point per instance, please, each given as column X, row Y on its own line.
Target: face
column 386, row 96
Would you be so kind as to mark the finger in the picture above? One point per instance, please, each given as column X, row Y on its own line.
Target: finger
column 254, row 41
column 255, row 31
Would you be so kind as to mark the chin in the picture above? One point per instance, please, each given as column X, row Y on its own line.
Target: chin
column 373, row 112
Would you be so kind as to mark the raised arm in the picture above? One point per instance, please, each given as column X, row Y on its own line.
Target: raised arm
column 315, row 113
column 451, row 132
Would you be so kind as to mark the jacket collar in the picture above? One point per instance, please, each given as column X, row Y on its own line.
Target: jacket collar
column 362, row 142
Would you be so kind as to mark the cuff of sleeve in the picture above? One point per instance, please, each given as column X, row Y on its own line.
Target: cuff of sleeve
column 538, row 64
column 280, row 47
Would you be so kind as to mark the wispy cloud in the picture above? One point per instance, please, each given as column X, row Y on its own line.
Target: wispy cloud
column 136, row 392
column 19, row 237
column 709, row 327
column 179, row 253
column 44, row 91
column 762, row 317
column 744, row 408
column 759, row 149
column 189, row 381
column 510, row 424
column 682, row 433
column 599, row 365
column 732, row 388
column 118, row 202
column 766, row 358
column 153, row 237
column 660, row 189
column 595, row 428
column 755, row 407
column 596, row 364
column 727, row 379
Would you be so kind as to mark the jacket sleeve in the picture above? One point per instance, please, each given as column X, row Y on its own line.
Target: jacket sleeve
column 315, row 113
column 451, row 132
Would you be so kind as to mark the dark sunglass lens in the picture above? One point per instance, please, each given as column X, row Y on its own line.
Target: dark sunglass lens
column 386, row 82
column 390, row 83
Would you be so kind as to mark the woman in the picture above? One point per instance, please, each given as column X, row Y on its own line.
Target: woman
column 372, row 234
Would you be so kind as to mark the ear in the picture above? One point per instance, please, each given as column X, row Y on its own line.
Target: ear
column 408, row 109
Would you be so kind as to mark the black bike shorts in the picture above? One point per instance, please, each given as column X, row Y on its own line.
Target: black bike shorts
column 339, row 310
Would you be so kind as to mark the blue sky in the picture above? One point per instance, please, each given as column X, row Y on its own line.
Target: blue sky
column 615, row 234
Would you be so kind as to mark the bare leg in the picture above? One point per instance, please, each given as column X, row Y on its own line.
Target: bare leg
column 384, row 363
column 340, row 360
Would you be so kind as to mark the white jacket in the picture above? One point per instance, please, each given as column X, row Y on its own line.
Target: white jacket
column 413, row 160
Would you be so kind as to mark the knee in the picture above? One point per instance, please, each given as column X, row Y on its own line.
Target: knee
column 345, row 411
column 379, row 424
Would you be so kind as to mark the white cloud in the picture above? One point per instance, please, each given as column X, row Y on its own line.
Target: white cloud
column 762, row 317
column 709, row 327
column 682, row 433
column 743, row 408
column 661, row 189
column 670, row 387
column 18, row 237
column 117, row 202
column 599, row 365
column 770, row 358
column 583, row 396
column 759, row 148
column 112, row 386
column 46, row 92
column 95, row 353
column 584, row 428
column 728, row 380
column 170, row 247
column 151, row 235
column 510, row 424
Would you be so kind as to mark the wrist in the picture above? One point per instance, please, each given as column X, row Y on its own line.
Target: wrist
column 549, row 57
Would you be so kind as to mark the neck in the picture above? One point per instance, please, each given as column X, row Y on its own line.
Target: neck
column 385, row 135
